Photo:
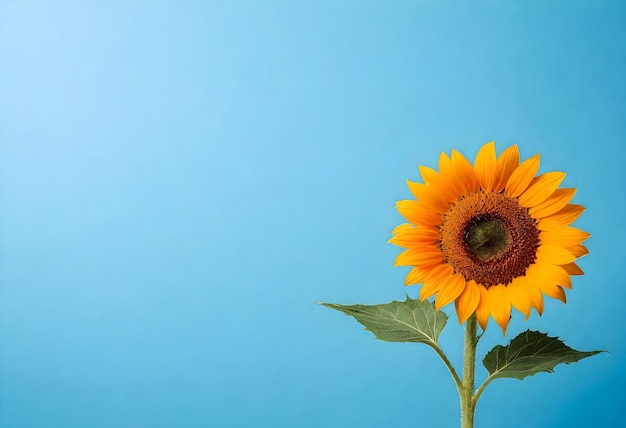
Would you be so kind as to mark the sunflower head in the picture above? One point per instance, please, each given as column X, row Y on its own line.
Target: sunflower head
column 490, row 236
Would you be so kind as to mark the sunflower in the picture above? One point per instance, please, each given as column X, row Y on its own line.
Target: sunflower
column 490, row 236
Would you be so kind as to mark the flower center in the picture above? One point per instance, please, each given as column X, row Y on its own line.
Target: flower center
column 489, row 238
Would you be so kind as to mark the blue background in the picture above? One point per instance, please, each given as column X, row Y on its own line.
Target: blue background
column 182, row 182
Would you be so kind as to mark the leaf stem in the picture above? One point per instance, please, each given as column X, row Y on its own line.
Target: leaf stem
column 466, row 391
column 455, row 376
column 481, row 388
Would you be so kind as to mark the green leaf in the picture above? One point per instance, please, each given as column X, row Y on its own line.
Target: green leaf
column 530, row 353
column 408, row 321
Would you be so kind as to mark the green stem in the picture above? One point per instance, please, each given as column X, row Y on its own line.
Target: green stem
column 466, row 391
column 445, row 360
column 481, row 388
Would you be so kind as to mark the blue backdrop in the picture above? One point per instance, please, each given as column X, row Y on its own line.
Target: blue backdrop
column 181, row 182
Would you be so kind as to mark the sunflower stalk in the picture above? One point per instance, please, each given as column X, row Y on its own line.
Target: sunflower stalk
column 466, row 390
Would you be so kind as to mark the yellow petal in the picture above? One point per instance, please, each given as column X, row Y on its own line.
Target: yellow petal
column 453, row 176
column 450, row 290
column 485, row 166
column 435, row 279
column 549, row 273
column 430, row 196
column 564, row 217
column 521, row 177
column 415, row 237
column 578, row 250
column 554, row 291
column 562, row 277
column 425, row 257
column 519, row 297
column 573, row 269
column 554, row 203
column 429, row 175
column 418, row 214
column 444, row 161
column 449, row 187
column 541, row 188
column 505, row 165
column 439, row 182
column 554, row 254
column 404, row 226
column 484, row 308
column 417, row 275
column 531, row 284
column 500, row 306
column 467, row 302
column 466, row 177
column 564, row 237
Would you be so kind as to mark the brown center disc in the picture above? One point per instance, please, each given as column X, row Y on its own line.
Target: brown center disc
column 489, row 238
